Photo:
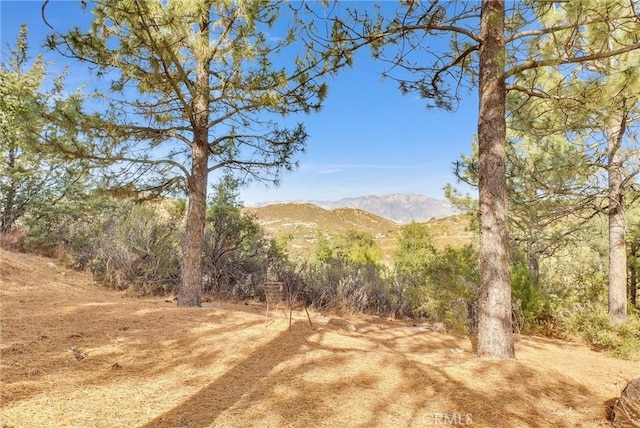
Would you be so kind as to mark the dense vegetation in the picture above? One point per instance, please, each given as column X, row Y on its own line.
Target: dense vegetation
column 562, row 259
column 136, row 247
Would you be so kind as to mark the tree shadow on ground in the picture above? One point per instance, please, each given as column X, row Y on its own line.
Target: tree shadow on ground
column 242, row 374
column 115, row 341
column 506, row 393
column 203, row 408
column 486, row 393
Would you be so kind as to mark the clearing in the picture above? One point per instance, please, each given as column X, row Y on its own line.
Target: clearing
column 74, row 354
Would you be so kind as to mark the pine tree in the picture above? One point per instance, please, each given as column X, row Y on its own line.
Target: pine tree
column 197, row 87
column 594, row 106
column 32, row 176
column 487, row 47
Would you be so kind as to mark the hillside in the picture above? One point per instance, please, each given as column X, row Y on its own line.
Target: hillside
column 304, row 223
column 454, row 230
column 78, row 355
column 300, row 216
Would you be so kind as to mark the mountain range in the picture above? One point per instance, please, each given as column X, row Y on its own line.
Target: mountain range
column 399, row 208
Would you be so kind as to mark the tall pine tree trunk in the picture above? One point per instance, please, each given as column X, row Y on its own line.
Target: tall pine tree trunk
column 8, row 211
column 495, row 334
column 617, row 228
column 190, row 293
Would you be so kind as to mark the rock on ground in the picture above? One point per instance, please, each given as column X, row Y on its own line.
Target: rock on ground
column 341, row 323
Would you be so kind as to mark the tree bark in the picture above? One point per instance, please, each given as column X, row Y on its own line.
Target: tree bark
column 190, row 293
column 495, row 333
column 633, row 284
column 617, row 228
column 8, row 209
column 533, row 262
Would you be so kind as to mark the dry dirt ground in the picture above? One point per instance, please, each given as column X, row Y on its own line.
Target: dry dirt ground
column 148, row 363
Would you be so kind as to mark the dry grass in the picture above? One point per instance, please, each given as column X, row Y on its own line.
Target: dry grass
column 454, row 231
column 305, row 222
column 150, row 364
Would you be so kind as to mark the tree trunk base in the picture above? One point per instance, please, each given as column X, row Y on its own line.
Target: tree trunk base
column 626, row 412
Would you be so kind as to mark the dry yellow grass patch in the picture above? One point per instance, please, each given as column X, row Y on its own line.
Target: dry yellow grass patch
column 149, row 364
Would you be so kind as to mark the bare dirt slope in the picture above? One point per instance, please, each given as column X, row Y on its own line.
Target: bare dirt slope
column 149, row 364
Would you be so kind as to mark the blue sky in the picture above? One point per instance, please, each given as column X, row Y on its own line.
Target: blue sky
column 368, row 138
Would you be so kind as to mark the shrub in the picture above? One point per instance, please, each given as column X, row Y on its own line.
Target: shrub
column 532, row 310
column 139, row 250
column 14, row 240
column 70, row 228
column 238, row 256
column 621, row 341
column 125, row 245
column 442, row 288
column 341, row 284
column 591, row 322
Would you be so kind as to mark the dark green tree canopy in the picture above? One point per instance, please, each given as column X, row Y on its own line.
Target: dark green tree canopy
column 33, row 118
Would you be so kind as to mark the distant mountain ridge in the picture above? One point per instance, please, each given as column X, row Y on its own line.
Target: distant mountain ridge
column 398, row 207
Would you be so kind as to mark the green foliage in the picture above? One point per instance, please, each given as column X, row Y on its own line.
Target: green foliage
column 125, row 245
column 342, row 284
column 414, row 250
column 137, row 246
column 189, row 67
column 464, row 203
column 621, row 340
column 576, row 291
column 347, row 275
column 32, row 176
column 358, row 247
column 530, row 299
column 70, row 227
column 323, row 252
column 237, row 254
column 196, row 86
column 447, row 290
column 139, row 250
column 586, row 131
column 439, row 285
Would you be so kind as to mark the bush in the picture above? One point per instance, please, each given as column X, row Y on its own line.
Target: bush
column 125, row 245
column 341, row 284
column 621, row 341
column 443, row 288
column 69, row 229
column 531, row 304
column 347, row 275
column 432, row 284
column 139, row 250
column 14, row 240
column 581, row 312
column 238, row 257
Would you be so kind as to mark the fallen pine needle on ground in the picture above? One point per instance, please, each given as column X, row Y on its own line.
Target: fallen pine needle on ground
column 75, row 354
